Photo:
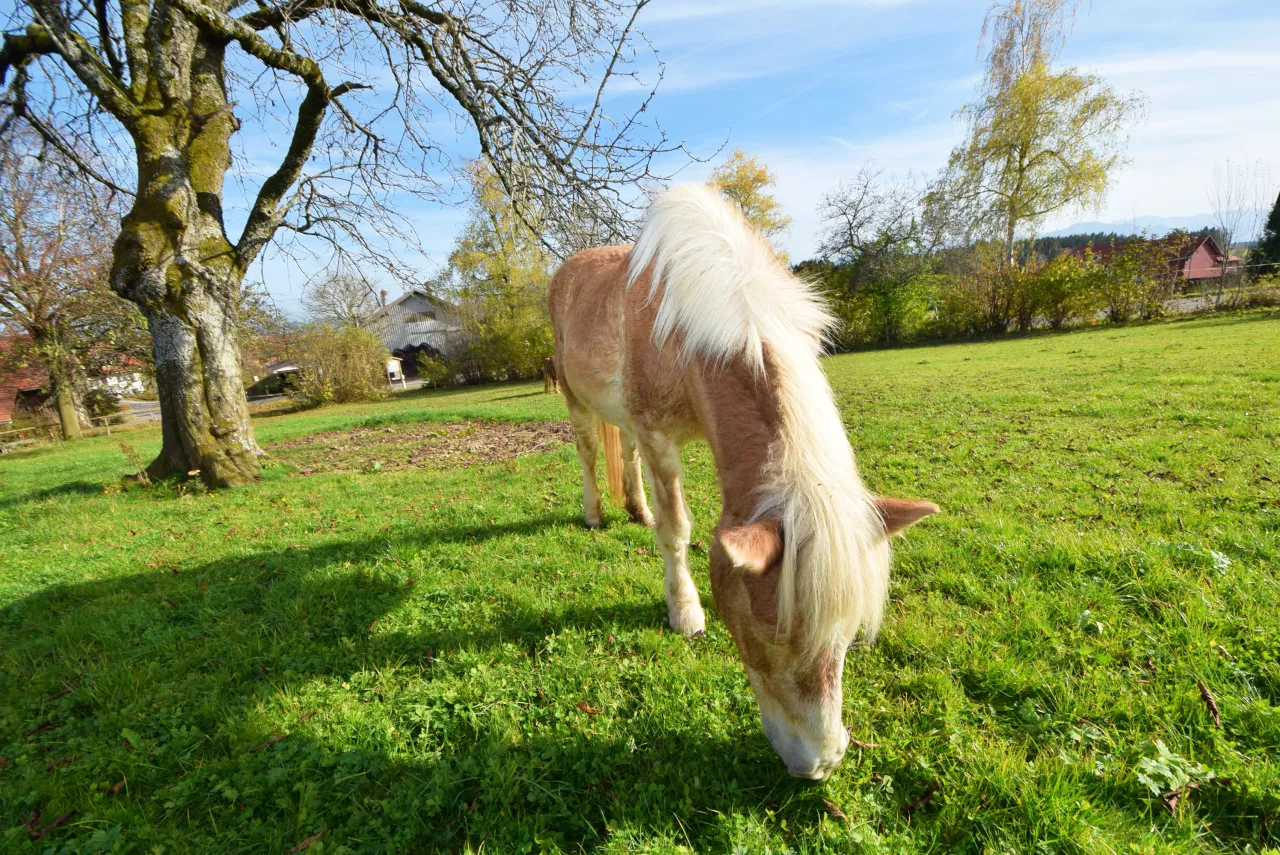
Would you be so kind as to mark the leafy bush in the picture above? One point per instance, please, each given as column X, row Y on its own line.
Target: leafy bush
column 509, row 333
column 895, row 304
column 1064, row 290
column 339, row 367
column 960, row 309
column 432, row 369
column 102, row 403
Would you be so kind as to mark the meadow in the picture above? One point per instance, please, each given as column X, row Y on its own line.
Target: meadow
column 403, row 639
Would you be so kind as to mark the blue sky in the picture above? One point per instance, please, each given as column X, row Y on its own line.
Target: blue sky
column 820, row 88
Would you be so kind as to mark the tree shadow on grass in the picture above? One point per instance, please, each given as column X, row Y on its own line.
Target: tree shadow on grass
column 532, row 394
column 71, row 488
column 172, row 681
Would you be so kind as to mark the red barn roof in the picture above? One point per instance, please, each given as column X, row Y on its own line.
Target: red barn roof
column 1182, row 252
column 16, row 379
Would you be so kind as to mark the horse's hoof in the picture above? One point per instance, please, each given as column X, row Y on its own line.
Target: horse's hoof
column 691, row 622
column 645, row 520
column 593, row 523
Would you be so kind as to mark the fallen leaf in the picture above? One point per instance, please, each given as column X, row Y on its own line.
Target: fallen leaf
column 191, row 473
column 307, row 716
column 279, row 737
column 61, row 761
column 1210, row 702
column 907, row 810
column 36, row 835
column 588, row 709
column 33, row 825
column 1170, row 799
column 835, row 811
column 114, row 788
column 306, row 844
column 43, row 727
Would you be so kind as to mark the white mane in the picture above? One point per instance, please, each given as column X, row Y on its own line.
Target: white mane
column 730, row 297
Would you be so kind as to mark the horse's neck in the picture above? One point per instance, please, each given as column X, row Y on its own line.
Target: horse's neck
column 740, row 415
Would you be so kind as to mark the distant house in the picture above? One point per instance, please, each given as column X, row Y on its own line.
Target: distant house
column 1192, row 259
column 21, row 388
column 24, row 385
column 416, row 323
column 263, row 355
column 274, row 379
column 123, row 379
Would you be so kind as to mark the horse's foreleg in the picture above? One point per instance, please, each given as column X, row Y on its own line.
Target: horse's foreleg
column 633, row 483
column 684, row 610
column 584, row 433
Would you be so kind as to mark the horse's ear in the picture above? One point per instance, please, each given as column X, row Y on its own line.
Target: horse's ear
column 899, row 515
column 755, row 546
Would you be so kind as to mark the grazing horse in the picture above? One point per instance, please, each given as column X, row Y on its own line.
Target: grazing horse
column 698, row 331
column 549, row 381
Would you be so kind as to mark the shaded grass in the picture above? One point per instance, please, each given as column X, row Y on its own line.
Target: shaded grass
column 1111, row 536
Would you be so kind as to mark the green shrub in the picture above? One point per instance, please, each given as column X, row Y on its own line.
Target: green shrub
column 432, row 369
column 102, row 403
column 1064, row 291
column 339, row 367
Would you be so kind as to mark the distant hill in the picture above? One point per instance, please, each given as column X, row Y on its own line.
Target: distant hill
column 1149, row 224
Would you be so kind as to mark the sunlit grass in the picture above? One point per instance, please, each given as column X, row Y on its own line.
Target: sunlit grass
column 446, row 660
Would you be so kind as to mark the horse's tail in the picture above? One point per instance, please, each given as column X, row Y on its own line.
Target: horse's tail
column 611, row 444
column 722, row 285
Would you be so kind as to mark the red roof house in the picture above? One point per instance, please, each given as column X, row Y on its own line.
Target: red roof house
column 17, row 380
column 1193, row 259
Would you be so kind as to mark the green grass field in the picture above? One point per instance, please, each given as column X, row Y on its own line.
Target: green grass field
column 439, row 657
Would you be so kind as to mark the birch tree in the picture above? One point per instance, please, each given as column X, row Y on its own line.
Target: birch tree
column 359, row 90
column 1039, row 140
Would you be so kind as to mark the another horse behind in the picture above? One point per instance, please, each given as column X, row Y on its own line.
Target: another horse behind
column 699, row 331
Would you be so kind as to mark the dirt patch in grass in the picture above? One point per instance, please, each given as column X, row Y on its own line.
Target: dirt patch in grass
column 451, row 445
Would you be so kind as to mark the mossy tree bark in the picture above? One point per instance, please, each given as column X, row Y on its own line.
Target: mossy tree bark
column 158, row 68
column 65, row 397
column 173, row 259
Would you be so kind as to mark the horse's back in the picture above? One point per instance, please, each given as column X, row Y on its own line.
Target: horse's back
column 586, row 277
column 587, row 302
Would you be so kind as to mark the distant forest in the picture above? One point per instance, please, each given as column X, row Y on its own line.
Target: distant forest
column 1052, row 247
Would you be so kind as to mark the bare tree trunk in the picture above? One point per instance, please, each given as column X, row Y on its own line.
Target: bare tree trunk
column 173, row 259
column 64, row 395
column 204, row 415
column 47, row 341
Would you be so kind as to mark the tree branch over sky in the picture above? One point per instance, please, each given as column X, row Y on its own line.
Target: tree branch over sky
column 145, row 97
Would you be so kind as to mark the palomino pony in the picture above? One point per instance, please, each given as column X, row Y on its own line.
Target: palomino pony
column 699, row 331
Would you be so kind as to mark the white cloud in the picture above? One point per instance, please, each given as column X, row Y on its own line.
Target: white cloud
column 1205, row 105
column 806, row 173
